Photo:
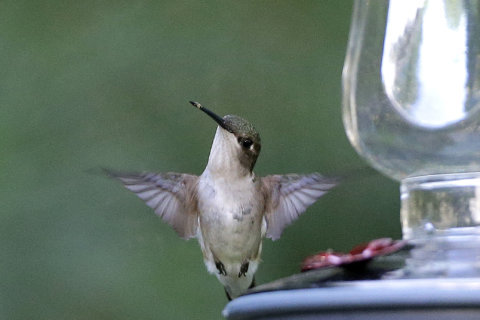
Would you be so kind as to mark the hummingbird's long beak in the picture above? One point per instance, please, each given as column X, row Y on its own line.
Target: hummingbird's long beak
column 213, row 115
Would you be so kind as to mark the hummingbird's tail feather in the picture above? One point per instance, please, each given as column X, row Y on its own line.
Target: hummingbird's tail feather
column 228, row 295
column 252, row 285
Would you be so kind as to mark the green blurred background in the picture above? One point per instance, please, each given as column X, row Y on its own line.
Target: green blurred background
column 86, row 84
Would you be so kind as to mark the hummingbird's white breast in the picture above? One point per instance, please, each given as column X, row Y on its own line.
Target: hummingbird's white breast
column 231, row 219
column 231, row 228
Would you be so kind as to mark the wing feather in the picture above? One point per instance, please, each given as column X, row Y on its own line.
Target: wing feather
column 288, row 196
column 173, row 196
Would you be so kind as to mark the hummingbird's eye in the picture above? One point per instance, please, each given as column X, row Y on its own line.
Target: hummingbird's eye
column 246, row 143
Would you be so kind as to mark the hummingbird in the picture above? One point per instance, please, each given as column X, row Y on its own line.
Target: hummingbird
column 228, row 208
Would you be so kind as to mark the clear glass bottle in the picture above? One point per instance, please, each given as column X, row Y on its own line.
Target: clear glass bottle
column 411, row 107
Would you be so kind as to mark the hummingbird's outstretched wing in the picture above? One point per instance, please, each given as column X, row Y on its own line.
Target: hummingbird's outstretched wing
column 173, row 196
column 288, row 196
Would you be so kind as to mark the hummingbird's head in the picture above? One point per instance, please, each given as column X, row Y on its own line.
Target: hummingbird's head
column 236, row 139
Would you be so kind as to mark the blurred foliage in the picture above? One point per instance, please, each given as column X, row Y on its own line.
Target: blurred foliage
column 86, row 84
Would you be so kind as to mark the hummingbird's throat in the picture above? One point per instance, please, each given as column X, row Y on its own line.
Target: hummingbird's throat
column 226, row 158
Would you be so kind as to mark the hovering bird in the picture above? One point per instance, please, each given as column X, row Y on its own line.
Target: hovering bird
column 228, row 208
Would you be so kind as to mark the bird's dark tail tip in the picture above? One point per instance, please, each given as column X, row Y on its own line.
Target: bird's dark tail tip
column 228, row 296
column 252, row 285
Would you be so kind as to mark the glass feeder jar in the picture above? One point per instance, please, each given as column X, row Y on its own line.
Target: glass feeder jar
column 411, row 108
